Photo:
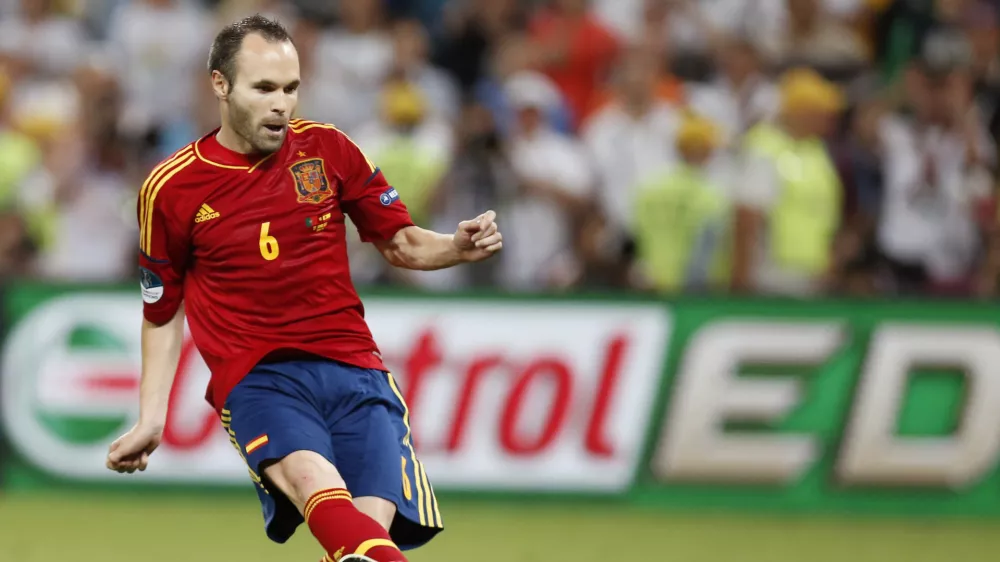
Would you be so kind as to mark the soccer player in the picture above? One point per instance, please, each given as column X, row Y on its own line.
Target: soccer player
column 243, row 231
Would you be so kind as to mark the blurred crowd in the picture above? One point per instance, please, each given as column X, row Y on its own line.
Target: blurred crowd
column 778, row 147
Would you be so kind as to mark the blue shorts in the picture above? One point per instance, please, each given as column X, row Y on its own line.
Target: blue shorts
column 354, row 417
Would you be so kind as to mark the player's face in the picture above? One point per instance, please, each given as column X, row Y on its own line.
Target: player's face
column 265, row 93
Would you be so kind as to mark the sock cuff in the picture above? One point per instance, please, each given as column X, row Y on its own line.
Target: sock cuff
column 332, row 494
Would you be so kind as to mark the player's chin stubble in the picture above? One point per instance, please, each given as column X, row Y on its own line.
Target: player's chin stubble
column 245, row 126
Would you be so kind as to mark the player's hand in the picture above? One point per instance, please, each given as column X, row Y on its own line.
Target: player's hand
column 479, row 238
column 131, row 451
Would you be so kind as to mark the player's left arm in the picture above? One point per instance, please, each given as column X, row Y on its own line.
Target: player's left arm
column 382, row 219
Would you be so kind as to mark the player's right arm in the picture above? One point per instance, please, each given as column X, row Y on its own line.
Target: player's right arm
column 164, row 249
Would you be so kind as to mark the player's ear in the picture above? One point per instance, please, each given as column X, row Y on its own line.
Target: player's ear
column 220, row 85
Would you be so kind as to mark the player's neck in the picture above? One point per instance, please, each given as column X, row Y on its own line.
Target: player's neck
column 228, row 139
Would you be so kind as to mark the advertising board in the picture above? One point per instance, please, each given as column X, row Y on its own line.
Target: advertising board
column 871, row 406
column 720, row 403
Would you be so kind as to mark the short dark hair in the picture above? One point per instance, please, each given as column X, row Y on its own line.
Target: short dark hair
column 228, row 42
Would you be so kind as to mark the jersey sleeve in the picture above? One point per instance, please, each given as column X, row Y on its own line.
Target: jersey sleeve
column 372, row 204
column 164, row 248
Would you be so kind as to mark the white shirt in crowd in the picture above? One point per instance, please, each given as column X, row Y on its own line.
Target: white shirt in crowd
column 929, row 223
column 159, row 49
column 544, row 241
column 734, row 110
column 348, row 68
column 99, row 205
column 624, row 150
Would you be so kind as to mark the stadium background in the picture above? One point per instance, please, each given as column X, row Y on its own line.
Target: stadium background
column 675, row 357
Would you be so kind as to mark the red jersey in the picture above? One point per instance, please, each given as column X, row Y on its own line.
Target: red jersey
column 255, row 248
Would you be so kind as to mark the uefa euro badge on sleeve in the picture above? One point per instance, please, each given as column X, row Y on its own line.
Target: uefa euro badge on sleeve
column 389, row 196
column 311, row 183
column 152, row 286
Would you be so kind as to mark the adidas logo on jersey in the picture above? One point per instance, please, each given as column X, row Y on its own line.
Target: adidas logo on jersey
column 206, row 213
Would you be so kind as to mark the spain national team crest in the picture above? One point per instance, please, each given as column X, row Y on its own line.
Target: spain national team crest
column 310, row 181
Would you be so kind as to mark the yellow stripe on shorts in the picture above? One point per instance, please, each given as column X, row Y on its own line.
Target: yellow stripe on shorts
column 413, row 454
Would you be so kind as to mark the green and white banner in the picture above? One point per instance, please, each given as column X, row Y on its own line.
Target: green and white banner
column 872, row 406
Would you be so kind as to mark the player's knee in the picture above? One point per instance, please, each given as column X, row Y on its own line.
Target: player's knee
column 302, row 474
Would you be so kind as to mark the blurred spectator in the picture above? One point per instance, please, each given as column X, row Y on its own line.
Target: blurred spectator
column 45, row 112
column 78, row 185
column 349, row 64
column 38, row 42
column 790, row 196
column 576, row 51
column 411, row 49
column 631, row 136
column 156, row 44
column 202, row 119
column 39, row 192
column 981, row 23
column 19, row 154
column 472, row 32
column 102, row 94
column 741, row 95
column 682, row 217
column 40, row 107
column 414, row 148
column 555, row 183
column 80, row 188
column 99, row 202
column 860, row 162
column 668, row 87
column 937, row 160
column 411, row 146
column 16, row 249
column 516, row 54
column 813, row 37
column 480, row 177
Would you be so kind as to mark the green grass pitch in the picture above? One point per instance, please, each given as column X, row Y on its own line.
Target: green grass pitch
column 189, row 528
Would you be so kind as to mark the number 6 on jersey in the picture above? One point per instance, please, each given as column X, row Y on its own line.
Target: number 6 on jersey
column 268, row 244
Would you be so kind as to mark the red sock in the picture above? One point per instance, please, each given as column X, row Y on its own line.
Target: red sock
column 343, row 530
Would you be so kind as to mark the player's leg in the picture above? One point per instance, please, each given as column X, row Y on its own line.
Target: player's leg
column 372, row 439
column 301, row 474
column 379, row 509
column 315, row 487
column 304, row 473
column 291, row 459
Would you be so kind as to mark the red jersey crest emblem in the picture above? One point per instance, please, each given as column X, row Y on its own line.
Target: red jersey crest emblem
column 311, row 182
